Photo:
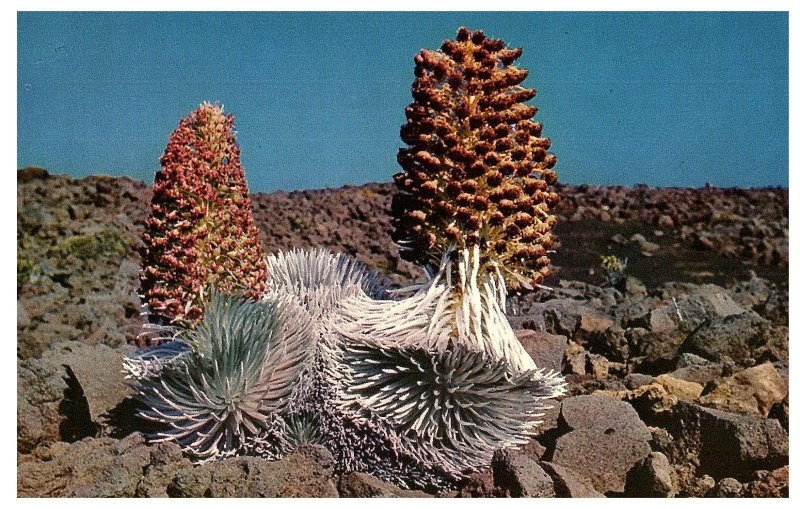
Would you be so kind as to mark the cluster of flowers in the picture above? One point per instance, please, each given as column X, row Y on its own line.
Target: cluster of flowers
column 418, row 386
column 476, row 170
column 201, row 230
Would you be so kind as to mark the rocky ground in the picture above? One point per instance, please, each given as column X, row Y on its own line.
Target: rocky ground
column 678, row 374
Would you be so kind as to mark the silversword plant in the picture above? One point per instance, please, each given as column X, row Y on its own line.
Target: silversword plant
column 418, row 386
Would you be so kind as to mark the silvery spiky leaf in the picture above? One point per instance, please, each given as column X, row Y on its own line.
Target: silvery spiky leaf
column 302, row 428
column 319, row 279
column 442, row 313
column 286, row 433
column 455, row 406
column 149, row 362
column 358, row 443
column 244, row 363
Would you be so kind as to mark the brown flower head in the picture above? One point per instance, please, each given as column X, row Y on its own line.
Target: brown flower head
column 201, row 230
column 472, row 145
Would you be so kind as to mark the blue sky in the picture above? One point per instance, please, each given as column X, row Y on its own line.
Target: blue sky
column 665, row 99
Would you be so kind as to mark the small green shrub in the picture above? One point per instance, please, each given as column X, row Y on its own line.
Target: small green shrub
column 614, row 269
column 299, row 223
column 25, row 267
column 94, row 245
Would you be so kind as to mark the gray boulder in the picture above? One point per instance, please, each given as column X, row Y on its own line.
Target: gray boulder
column 653, row 347
column 650, row 477
column 752, row 293
column 67, row 393
column 546, row 350
column 724, row 444
column 739, row 337
column 700, row 374
column 603, row 458
column 520, row 476
column 695, row 304
column 606, row 440
column 569, row 484
column 603, row 414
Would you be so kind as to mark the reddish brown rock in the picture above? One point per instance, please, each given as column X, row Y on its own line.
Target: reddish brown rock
column 723, row 444
column 519, row 475
column 569, row 484
column 361, row 485
column 650, row 477
column 602, row 414
column 307, row 472
column 546, row 350
column 602, row 457
column 753, row 391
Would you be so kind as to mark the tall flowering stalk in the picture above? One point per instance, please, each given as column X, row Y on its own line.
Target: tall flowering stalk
column 201, row 231
column 476, row 169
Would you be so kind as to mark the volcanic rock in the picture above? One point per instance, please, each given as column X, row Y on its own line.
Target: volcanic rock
column 660, row 320
column 478, row 485
column 574, row 359
column 550, row 419
column 547, row 350
column 753, row 391
column 520, row 476
column 67, row 393
column 771, row 484
column 650, row 477
column 696, row 304
column 686, row 360
column 166, row 460
column 597, row 366
column 635, row 380
column 741, row 336
column 307, row 472
column 606, row 440
column 751, row 294
column 101, row 467
column 361, row 485
column 682, row 389
column 601, row 413
column 602, row 457
column 723, row 444
column 699, row 373
column 728, row 488
column 567, row 483
column 780, row 411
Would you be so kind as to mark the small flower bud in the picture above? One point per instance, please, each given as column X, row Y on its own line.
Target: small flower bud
column 469, row 186
column 480, row 203
column 507, row 206
column 417, row 216
column 496, row 219
column 464, row 199
column 473, row 223
column 494, row 178
column 491, row 158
